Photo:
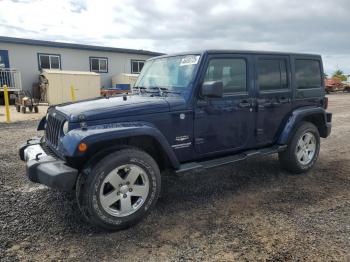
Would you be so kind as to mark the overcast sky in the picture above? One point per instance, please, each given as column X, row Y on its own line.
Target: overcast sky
column 173, row 25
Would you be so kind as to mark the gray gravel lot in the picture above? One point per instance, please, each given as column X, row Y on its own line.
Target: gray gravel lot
column 249, row 211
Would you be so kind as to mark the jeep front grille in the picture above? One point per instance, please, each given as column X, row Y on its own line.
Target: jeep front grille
column 48, row 150
column 53, row 129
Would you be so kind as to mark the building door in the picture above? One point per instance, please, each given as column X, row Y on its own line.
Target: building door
column 4, row 63
column 4, row 59
column 225, row 123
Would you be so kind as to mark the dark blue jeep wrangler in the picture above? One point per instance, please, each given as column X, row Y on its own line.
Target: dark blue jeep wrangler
column 188, row 111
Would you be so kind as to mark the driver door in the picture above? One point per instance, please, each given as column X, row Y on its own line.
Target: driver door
column 226, row 123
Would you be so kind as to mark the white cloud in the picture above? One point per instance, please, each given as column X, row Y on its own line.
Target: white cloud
column 177, row 25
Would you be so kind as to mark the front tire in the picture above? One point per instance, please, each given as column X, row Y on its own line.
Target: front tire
column 303, row 149
column 120, row 190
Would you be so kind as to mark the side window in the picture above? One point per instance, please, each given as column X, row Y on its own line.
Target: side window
column 49, row 61
column 272, row 74
column 136, row 66
column 99, row 64
column 307, row 74
column 231, row 71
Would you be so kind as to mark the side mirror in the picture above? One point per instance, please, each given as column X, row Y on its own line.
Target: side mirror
column 212, row 89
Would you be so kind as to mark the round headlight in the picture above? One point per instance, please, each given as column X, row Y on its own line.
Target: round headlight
column 65, row 127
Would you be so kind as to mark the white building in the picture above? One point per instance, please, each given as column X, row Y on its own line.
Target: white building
column 23, row 59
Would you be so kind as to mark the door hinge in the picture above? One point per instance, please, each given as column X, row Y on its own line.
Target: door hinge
column 259, row 131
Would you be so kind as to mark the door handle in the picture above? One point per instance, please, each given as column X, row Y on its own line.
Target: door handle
column 268, row 104
column 283, row 100
column 202, row 103
column 244, row 103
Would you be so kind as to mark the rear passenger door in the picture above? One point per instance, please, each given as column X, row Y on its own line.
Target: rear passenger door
column 273, row 101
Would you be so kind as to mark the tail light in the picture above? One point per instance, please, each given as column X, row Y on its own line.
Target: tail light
column 325, row 103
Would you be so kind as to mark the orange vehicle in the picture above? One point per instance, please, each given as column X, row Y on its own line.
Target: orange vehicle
column 112, row 92
column 119, row 89
column 346, row 86
column 333, row 85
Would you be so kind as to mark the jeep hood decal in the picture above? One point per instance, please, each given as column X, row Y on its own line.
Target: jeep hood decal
column 102, row 108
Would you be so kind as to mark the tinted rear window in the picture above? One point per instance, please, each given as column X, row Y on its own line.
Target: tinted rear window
column 272, row 74
column 307, row 74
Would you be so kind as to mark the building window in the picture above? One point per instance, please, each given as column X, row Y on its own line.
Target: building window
column 136, row 66
column 272, row 74
column 49, row 61
column 99, row 64
column 308, row 74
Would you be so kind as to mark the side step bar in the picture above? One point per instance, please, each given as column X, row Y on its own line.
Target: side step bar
column 229, row 159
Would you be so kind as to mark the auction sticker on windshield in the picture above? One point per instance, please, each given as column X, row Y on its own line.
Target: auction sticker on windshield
column 189, row 60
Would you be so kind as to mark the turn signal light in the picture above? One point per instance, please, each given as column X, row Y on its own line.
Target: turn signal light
column 82, row 147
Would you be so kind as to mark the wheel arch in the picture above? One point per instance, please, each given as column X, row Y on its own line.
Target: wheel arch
column 144, row 143
column 103, row 141
column 319, row 121
column 314, row 115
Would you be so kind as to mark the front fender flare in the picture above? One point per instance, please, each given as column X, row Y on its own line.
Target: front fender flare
column 109, row 132
column 295, row 118
column 41, row 125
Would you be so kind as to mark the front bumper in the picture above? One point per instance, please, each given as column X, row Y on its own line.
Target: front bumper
column 46, row 169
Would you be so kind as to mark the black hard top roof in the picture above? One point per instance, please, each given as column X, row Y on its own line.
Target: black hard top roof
column 216, row 51
column 230, row 51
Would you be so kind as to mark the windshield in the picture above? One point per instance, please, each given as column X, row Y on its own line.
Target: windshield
column 169, row 73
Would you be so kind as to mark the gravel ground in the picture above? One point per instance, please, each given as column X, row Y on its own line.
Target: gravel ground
column 249, row 211
column 16, row 116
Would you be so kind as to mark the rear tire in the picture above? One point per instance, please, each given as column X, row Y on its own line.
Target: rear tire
column 23, row 109
column 120, row 190
column 18, row 108
column 303, row 149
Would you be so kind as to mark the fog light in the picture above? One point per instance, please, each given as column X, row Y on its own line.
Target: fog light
column 82, row 147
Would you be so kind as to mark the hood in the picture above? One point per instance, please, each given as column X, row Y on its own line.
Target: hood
column 101, row 108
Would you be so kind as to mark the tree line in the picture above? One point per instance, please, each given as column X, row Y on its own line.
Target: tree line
column 339, row 74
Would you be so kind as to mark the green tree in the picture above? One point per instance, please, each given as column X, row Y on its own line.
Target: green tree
column 339, row 74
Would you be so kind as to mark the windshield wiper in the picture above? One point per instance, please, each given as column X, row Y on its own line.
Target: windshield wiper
column 163, row 90
column 144, row 89
column 139, row 88
column 159, row 90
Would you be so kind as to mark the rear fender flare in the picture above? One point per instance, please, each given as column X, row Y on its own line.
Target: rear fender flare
column 295, row 118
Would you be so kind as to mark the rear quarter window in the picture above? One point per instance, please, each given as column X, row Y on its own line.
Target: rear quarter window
column 307, row 74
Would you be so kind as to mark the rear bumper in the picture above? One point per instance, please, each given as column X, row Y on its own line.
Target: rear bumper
column 328, row 124
column 46, row 169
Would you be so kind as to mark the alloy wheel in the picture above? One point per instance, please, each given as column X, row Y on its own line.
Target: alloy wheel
column 306, row 148
column 124, row 190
